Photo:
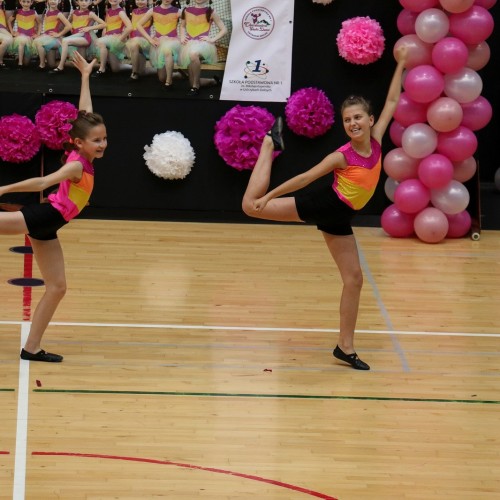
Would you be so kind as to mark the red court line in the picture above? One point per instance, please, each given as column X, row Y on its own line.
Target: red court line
column 28, row 273
column 190, row 466
column 4, row 452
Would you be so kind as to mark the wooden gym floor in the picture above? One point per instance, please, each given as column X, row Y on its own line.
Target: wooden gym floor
column 198, row 365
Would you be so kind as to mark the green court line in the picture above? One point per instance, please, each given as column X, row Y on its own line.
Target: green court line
column 6, row 390
column 269, row 396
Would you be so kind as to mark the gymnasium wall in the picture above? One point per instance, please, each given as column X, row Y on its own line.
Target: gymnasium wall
column 125, row 188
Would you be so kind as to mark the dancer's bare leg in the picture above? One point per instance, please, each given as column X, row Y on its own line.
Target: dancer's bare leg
column 50, row 260
column 279, row 209
column 345, row 254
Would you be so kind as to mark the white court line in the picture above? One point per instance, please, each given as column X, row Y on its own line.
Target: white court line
column 22, row 422
column 259, row 329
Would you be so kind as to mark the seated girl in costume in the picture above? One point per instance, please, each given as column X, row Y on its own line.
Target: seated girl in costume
column 29, row 26
column 5, row 36
column 83, row 23
column 111, row 45
column 56, row 25
column 137, row 46
column 165, row 44
column 197, row 45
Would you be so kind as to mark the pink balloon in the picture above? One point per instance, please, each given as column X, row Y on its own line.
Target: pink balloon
column 435, row 171
column 424, row 83
column 459, row 224
column 411, row 196
column 406, row 22
column 456, row 6
column 487, row 4
column 408, row 111
column 396, row 223
column 452, row 198
column 396, row 133
column 418, row 5
column 477, row 114
column 473, row 26
column 431, row 225
column 458, row 144
column 444, row 114
column 419, row 140
column 463, row 86
column 431, row 25
column 464, row 170
column 419, row 52
column 479, row 55
column 450, row 54
column 400, row 166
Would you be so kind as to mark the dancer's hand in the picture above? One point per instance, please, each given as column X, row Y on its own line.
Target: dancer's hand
column 260, row 203
column 81, row 63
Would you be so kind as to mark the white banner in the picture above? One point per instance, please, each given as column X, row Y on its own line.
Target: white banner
column 259, row 60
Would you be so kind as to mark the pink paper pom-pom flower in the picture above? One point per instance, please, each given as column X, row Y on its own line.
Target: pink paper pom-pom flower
column 309, row 112
column 239, row 134
column 360, row 40
column 52, row 121
column 19, row 139
column 322, row 2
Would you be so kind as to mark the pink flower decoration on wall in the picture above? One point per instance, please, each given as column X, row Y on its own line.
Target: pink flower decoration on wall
column 361, row 40
column 53, row 123
column 309, row 112
column 19, row 139
column 239, row 134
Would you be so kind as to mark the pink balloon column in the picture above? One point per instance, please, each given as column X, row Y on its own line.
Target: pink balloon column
column 439, row 110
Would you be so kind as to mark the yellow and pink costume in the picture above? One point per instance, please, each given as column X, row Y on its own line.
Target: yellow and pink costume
column 197, row 26
column 165, row 21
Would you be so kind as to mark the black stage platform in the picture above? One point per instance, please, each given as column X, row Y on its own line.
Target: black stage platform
column 29, row 80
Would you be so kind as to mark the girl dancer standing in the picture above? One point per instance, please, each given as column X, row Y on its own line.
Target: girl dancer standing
column 42, row 221
column 356, row 168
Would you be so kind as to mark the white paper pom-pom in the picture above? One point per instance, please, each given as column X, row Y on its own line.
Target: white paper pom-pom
column 170, row 156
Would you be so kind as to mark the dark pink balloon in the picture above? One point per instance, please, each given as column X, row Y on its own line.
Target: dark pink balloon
column 450, row 54
column 477, row 114
column 411, row 196
column 435, row 171
column 396, row 223
column 473, row 26
column 406, row 22
column 487, row 4
column 408, row 111
column 458, row 144
column 418, row 5
column 459, row 224
column 396, row 133
column 424, row 83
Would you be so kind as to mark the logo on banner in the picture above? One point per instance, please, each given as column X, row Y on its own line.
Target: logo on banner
column 258, row 23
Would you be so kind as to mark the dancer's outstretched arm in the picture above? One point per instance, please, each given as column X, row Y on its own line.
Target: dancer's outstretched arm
column 85, row 69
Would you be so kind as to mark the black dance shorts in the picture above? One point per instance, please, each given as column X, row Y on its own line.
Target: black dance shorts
column 324, row 208
column 43, row 221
